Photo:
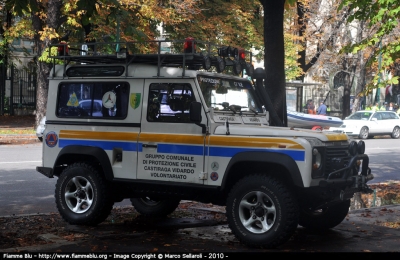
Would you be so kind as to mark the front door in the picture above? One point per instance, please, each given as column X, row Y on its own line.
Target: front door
column 171, row 147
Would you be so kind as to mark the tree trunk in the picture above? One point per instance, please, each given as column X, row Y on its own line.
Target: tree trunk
column 43, row 69
column 363, row 72
column 274, row 57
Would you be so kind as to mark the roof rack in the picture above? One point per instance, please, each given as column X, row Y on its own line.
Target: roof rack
column 186, row 54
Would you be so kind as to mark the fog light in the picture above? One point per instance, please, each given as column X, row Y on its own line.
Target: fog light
column 361, row 147
column 353, row 148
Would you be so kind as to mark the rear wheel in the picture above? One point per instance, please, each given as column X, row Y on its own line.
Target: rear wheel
column 364, row 133
column 396, row 133
column 82, row 195
column 261, row 211
column 154, row 208
column 324, row 218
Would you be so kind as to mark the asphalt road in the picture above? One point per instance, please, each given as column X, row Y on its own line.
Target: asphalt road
column 25, row 191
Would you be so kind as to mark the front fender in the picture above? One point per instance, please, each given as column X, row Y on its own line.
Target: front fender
column 266, row 157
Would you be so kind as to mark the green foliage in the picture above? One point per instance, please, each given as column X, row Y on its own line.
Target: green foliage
column 383, row 15
column 45, row 56
column 21, row 7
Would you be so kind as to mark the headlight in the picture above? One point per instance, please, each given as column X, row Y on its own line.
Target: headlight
column 314, row 141
column 317, row 159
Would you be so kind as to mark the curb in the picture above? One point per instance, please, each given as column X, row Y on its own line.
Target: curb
column 18, row 138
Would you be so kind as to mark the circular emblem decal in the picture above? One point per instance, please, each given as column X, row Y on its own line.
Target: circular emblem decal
column 214, row 176
column 214, row 166
column 109, row 99
column 51, row 139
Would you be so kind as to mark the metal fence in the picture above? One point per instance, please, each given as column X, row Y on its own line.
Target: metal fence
column 18, row 90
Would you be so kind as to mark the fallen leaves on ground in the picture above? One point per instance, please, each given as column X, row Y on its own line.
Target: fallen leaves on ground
column 22, row 231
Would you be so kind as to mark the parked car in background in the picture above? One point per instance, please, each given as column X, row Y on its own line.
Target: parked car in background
column 40, row 129
column 367, row 124
column 86, row 105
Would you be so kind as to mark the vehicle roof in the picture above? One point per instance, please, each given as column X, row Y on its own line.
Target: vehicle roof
column 371, row 111
column 145, row 71
column 186, row 57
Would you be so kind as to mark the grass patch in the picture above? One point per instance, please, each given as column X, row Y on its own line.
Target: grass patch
column 17, row 131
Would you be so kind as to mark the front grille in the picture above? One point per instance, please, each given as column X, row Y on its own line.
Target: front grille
column 333, row 155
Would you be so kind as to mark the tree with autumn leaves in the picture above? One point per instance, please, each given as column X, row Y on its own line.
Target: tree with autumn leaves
column 268, row 27
column 236, row 23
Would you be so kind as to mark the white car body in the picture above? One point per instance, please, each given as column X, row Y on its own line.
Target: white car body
column 367, row 124
column 86, row 105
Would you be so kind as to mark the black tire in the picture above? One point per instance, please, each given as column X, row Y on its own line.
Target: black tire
column 325, row 218
column 262, row 211
column 364, row 133
column 82, row 195
column 396, row 132
column 154, row 208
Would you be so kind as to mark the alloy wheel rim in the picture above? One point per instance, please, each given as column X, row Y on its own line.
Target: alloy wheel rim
column 257, row 212
column 79, row 195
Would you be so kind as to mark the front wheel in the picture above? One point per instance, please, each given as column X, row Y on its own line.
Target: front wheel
column 324, row 218
column 396, row 133
column 364, row 132
column 154, row 208
column 82, row 196
column 261, row 211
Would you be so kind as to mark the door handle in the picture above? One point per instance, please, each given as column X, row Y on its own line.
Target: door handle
column 149, row 145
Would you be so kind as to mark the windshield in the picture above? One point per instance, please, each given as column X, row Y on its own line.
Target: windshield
column 360, row 116
column 222, row 93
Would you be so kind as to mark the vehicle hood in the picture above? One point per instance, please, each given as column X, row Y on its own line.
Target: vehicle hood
column 269, row 131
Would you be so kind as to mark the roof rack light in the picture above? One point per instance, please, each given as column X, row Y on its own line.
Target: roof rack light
column 189, row 45
column 62, row 49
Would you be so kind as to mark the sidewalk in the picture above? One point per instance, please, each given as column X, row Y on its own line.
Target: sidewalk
column 18, row 139
column 17, row 123
column 359, row 232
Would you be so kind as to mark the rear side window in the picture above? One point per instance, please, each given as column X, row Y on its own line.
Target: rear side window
column 169, row 102
column 93, row 100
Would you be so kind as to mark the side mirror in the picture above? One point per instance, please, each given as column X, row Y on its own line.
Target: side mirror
column 374, row 119
column 195, row 112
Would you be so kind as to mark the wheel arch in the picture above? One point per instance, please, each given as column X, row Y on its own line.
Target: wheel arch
column 74, row 153
column 244, row 163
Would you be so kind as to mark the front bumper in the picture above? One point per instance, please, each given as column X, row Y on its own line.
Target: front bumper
column 348, row 179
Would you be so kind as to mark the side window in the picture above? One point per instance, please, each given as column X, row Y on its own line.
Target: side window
column 377, row 116
column 169, row 102
column 87, row 100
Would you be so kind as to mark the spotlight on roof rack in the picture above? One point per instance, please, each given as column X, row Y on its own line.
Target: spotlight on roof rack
column 249, row 69
column 237, row 67
column 220, row 64
column 206, row 61
column 233, row 52
column 223, row 51
column 62, row 49
column 189, row 45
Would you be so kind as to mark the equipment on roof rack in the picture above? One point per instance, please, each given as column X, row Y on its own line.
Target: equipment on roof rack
column 195, row 55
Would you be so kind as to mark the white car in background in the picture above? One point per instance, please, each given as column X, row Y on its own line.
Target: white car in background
column 40, row 129
column 367, row 124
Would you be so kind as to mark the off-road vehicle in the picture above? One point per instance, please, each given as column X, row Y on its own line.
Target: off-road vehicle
column 186, row 124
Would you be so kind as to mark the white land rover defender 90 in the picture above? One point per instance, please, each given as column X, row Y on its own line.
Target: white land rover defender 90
column 160, row 128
